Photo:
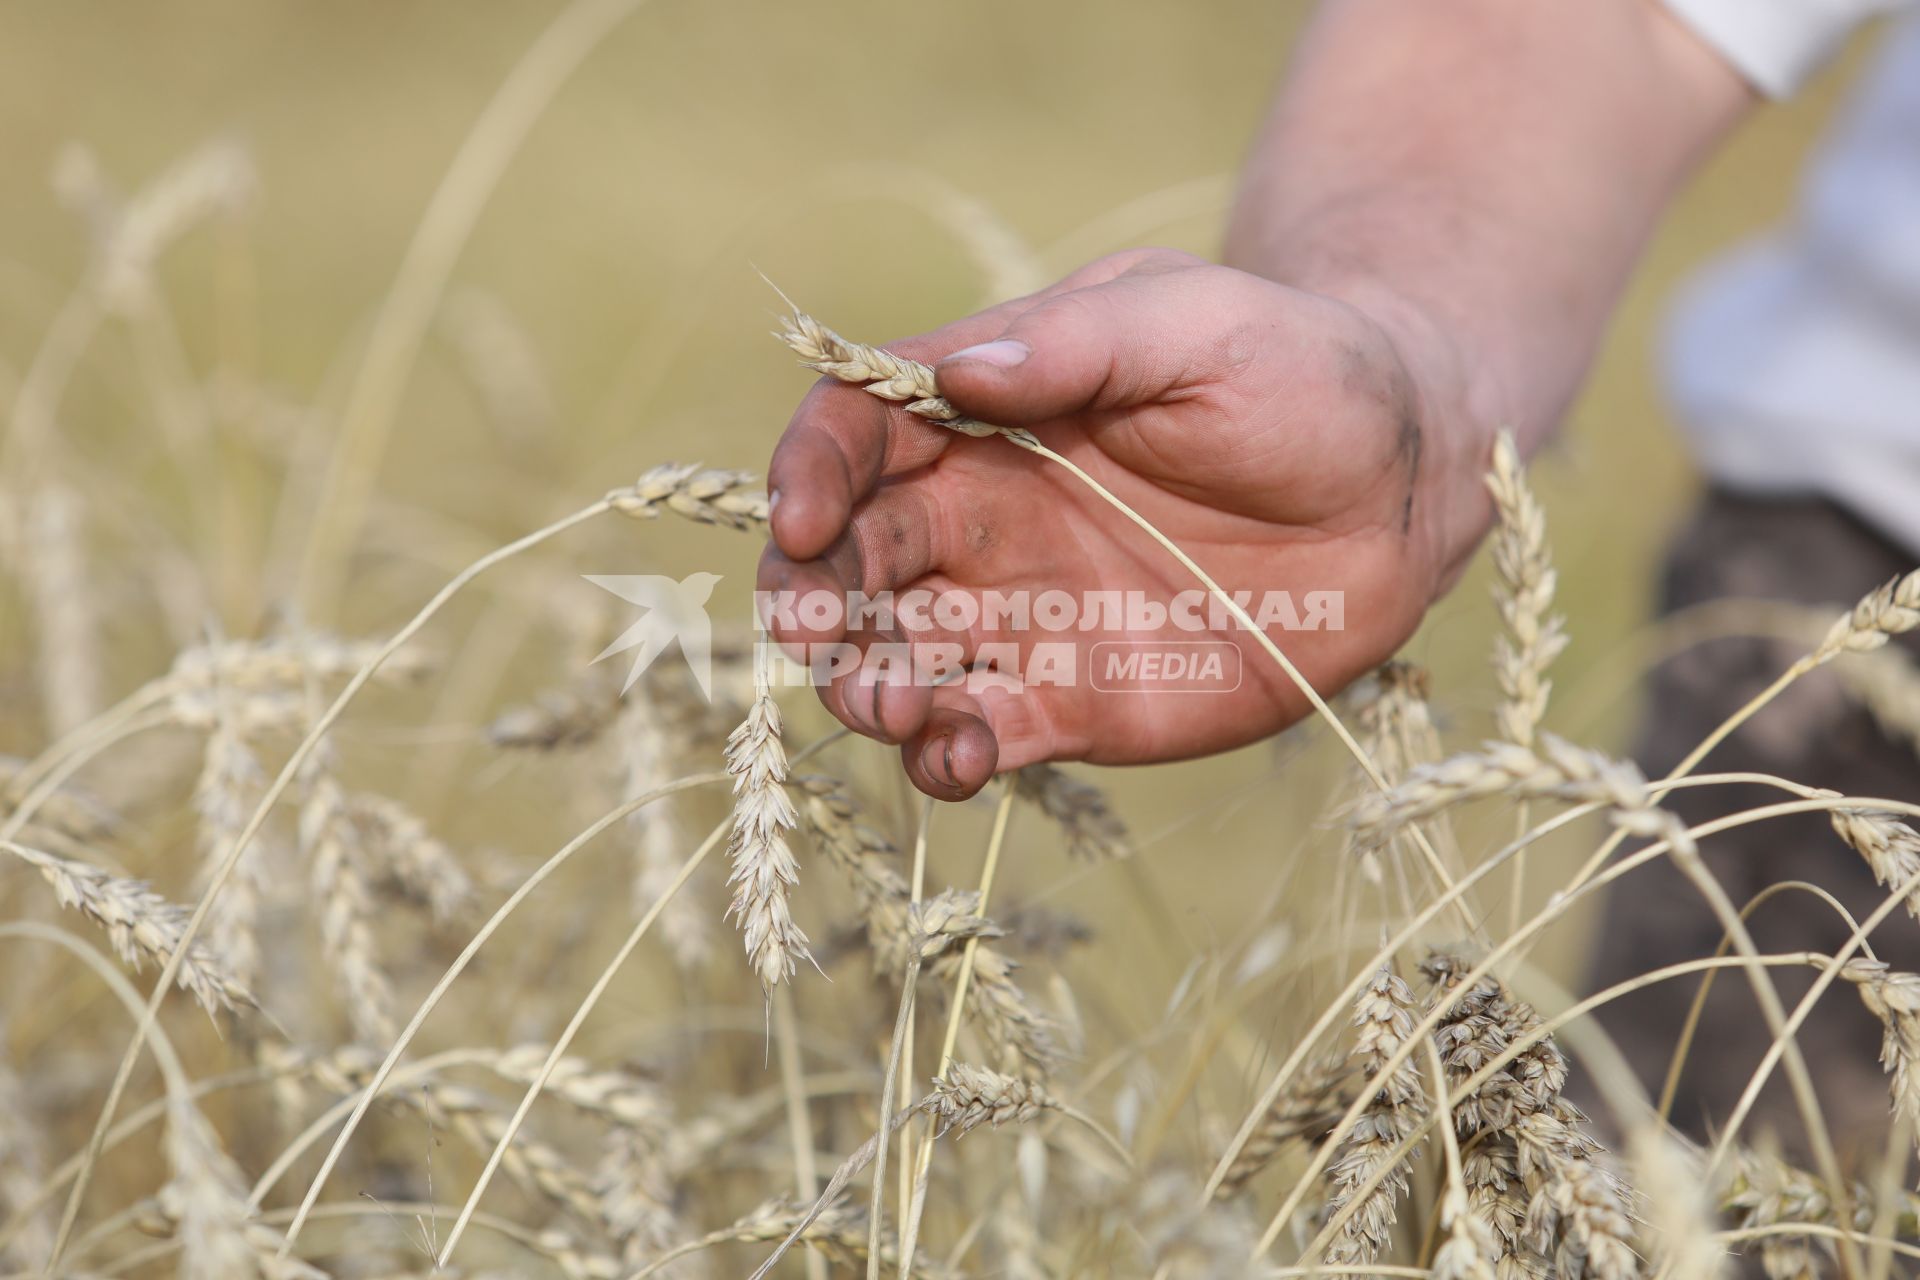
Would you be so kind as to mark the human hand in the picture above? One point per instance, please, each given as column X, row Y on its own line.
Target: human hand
column 1285, row 440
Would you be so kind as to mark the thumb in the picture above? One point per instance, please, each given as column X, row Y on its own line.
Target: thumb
column 1106, row 347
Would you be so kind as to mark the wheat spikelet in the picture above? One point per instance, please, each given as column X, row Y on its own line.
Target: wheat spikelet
column 1557, row 770
column 736, row 499
column 338, row 876
column 1477, row 1025
column 475, row 1118
column 205, row 1207
column 1470, row 1248
column 649, row 746
column 1020, row 1035
column 1887, row 611
column 230, row 786
column 1766, row 1191
column 1307, row 1111
column 1383, row 1020
column 948, row 918
column 143, row 927
column 636, row 1198
column 395, row 840
column 967, row 1097
column 866, row 858
column 1577, row 1212
column 883, row 374
column 570, row 716
column 1533, row 636
column 616, row 1096
column 1890, row 846
column 1893, row 998
column 66, row 633
column 764, row 870
column 1093, row 830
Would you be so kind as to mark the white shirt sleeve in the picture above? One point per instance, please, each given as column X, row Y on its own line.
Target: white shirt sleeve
column 1778, row 44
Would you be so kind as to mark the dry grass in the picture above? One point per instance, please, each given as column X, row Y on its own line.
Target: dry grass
column 407, row 993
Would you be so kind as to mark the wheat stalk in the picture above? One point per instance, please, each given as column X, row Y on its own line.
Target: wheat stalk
column 1558, row 770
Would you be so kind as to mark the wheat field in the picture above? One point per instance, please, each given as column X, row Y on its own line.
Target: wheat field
column 355, row 922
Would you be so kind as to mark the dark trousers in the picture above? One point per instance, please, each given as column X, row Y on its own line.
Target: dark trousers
column 1809, row 552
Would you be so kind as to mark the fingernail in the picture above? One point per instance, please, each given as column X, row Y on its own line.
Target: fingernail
column 1001, row 353
column 863, row 704
column 936, row 760
column 773, row 501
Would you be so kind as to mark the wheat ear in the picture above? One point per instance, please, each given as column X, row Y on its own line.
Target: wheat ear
column 143, row 927
column 736, row 499
column 764, row 870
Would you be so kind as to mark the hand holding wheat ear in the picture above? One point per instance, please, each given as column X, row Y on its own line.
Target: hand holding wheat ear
column 1272, row 433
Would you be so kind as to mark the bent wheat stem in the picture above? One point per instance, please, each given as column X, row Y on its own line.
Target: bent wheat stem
column 561, row 1045
column 916, row 1208
column 459, row 965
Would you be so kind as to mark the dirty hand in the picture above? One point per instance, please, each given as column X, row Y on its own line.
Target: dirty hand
column 1288, row 442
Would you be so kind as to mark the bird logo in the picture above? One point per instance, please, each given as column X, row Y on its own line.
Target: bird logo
column 671, row 611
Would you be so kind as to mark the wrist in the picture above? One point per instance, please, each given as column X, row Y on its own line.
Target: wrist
column 1458, row 407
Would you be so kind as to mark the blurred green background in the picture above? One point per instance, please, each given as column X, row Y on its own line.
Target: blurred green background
column 879, row 161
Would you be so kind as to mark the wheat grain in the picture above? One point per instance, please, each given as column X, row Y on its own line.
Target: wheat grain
column 1084, row 814
column 735, row 499
column 764, row 870
column 143, row 927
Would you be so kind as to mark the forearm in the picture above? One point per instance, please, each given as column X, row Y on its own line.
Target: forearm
column 1479, row 176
